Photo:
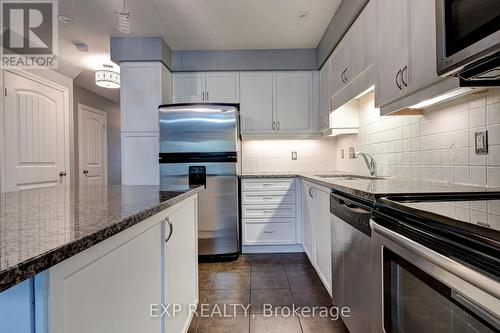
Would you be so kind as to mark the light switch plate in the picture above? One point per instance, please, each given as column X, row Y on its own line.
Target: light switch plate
column 342, row 153
column 351, row 152
column 481, row 142
column 294, row 155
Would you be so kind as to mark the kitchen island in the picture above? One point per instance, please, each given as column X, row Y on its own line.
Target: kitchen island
column 94, row 258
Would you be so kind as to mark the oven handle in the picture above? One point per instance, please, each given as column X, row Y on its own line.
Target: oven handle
column 479, row 280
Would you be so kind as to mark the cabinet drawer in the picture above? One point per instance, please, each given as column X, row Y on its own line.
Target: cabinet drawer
column 267, row 211
column 268, row 184
column 268, row 233
column 268, row 197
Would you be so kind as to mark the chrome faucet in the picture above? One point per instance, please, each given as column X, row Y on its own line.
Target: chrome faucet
column 370, row 162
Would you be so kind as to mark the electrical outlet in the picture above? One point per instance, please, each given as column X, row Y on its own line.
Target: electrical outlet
column 481, row 142
column 294, row 155
column 351, row 152
column 342, row 153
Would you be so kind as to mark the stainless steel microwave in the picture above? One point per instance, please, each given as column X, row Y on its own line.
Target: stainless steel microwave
column 468, row 39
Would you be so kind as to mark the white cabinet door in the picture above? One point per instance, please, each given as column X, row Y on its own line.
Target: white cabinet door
column 324, row 95
column 339, row 66
column 422, row 67
column 256, row 106
column 222, row 88
column 308, row 220
column 110, row 286
column 392, row 48
column 294, row 102
column 181, row 266
column 360, row 45
column 322, row 236
column 188, row 87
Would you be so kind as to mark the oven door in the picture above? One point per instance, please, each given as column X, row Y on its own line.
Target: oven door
column 466, row 31
column 419, row 290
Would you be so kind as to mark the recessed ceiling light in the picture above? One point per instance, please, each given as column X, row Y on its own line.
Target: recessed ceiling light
column 303, row 15
column 81, row 46
column 65, row 19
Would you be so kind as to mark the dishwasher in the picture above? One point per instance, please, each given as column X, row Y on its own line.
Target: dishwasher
column 352, row 259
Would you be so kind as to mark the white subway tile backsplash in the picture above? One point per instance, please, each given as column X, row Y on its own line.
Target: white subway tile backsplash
column 438, row 145
column 493, row 114
column 478, row 175
column 493, row 176
column 477, row 117
column 494, row 134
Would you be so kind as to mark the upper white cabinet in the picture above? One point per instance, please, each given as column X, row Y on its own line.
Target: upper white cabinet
column 188, row 87
column 257, row 103
column 294, row 103
column 279, row 104
column 348, row 72
column 214, row 87
column 324, row 95
column 222, row 87
column 393, row 49
column 339, row 67
column 407, row 54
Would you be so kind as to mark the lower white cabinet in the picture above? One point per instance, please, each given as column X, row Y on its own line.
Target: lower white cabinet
column 110, row 286
column 181, row 266
column 268, row 211
column 316, row 230
column 308, row 220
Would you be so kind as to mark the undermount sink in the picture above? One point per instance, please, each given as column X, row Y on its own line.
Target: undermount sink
column 350, row 177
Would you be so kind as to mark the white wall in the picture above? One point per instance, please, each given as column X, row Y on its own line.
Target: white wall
column 112, row 109
column 437, row 145
column 313, row 156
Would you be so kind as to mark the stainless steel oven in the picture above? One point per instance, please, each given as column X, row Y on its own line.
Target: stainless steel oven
column 434, row 272
column 468, row 38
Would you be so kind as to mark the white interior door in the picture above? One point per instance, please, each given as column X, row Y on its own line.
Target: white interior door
column 92, row 146
column 36, row 127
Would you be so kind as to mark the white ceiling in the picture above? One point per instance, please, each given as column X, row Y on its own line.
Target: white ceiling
column 188, row 25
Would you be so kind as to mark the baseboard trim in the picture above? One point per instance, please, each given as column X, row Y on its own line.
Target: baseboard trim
column 271, row 248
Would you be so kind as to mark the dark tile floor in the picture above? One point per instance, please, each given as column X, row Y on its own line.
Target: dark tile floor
column 254, row 280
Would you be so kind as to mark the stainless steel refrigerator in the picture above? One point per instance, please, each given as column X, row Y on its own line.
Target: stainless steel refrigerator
column 199, row 145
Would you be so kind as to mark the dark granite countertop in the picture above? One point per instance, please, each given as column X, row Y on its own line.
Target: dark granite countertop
column 371, row 189
column 40, row 228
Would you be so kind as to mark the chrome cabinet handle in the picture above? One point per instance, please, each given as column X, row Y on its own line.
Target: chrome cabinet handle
column 62, row 173
column 405, row 69
column 171, row 229
column 345, row 75
column 203, row 94
column 397, row 79
column 267, row 185
column 342, row 76
column 274, row 125
column 267, row 212
column 310, row 192
column 267, row 198
column 269, row 231
column 207, row 97
column 278, row 125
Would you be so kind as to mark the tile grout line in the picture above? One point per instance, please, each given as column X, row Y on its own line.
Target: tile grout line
column 293, row 297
